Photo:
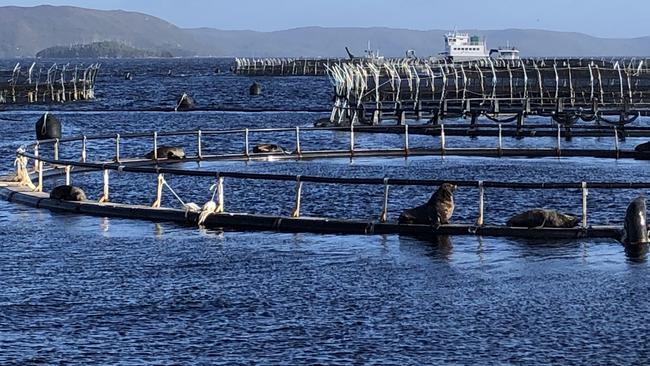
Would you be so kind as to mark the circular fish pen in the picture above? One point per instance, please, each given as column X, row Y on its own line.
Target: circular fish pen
column 128, row 175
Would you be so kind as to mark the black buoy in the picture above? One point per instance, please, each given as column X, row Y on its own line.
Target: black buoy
column 185, row 103
column 48, row 127
column 217, row 71
column 256, row 88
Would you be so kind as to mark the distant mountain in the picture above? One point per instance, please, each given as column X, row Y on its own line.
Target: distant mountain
column 25, row 31
column 107, row 49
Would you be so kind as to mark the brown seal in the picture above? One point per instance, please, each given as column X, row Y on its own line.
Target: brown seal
column 268, row 148
column 437, row 211
column 68, row 193
column 167, row 152
column 538, row 218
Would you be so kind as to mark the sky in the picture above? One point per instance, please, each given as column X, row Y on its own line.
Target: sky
column 603, row 18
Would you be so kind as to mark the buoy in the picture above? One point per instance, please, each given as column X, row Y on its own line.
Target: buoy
column 185, row 103
column 48, row 127
column 256, row 88
column 217, row 71
column 128, row 76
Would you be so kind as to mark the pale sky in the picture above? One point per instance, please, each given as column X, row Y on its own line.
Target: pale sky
column 604, row 18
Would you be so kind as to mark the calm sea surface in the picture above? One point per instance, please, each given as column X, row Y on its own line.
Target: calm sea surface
column 90, row 290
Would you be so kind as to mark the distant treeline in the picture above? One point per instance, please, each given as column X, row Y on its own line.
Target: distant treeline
column 107, row 49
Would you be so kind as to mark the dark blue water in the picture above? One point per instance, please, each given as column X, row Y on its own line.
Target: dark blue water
column 89, row 290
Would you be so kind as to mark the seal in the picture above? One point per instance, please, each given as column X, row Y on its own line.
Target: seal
column 269, row 148
column 635, row 227
column 538, row 218
column 167, row 152
column 68, row 193
column 644, row 147
column 437, row 211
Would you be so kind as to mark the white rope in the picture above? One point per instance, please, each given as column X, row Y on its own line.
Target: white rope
column 22, row 174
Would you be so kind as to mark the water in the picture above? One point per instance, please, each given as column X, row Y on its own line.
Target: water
column 77, row 289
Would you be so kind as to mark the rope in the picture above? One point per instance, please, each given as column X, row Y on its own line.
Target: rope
column 209, row 207
column 22, row 174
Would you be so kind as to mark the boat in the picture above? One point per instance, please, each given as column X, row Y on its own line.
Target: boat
column 465, row 47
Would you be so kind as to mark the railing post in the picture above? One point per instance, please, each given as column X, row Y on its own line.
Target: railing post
column 616, row 142
column 104, row 198
column 246, row 142
column 56, row 149
column 500, row 143
column 39, row 188
column 117, row 148
column 155, row 145
column 585, row 193
column 406, row 139
column 220, row 201
column 481, row 204
column 384, row 209
column 298, row 141
column 559, row 141
column 68, row 168
column 36, row 156
column 84, row 143
column 199, row 149
column 296, row 209
column 351, row 138
column 442, row 139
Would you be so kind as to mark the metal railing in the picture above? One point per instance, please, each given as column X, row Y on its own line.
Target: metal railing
column 135, row 165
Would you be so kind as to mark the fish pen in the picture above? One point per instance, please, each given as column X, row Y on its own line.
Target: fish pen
column 38, row 162
column 614, row 92
column 304, row 66
column 54, row 84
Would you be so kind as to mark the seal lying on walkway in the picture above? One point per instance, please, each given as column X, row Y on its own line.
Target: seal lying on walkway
column 635, row 228
column 168, row 152
column 437, row 211
column 269, row 148
column 68, row 193
column 538, row 218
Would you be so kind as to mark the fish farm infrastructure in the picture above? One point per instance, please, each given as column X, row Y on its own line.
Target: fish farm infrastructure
column 294, row 211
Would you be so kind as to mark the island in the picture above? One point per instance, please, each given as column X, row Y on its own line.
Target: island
column 106, row 49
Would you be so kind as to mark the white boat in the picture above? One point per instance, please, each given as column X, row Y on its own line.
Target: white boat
column 465, row 47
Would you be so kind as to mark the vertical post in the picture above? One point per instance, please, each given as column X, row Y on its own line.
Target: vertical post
column 220, row 202
column 298, row 141
column 384, row 209
column 39, row 188
column 155, row 145
column 442, row 139
column 406, row 139
column 481, row 204
column 246, row 142
column 616, row 141
column 68, row 168
column 199, row 145
column 296, row 209
column 559, row 141
column 56, row 149
column 36, row 156
column 500, row 143
column 585, row 193
column 117, row 148
column 351, row 138
column 84, row 143
column 104, row 197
